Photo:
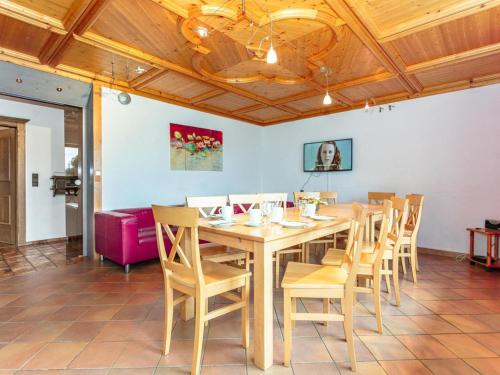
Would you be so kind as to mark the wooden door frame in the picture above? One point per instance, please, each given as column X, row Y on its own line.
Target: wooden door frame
column 20, row 125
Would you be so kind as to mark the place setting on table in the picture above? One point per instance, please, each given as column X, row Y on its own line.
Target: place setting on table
column 269, row 214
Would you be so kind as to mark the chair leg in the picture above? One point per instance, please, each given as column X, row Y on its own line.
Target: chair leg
column 206, row 312
column 287, row 301
column 377, row 280
column 198, row 335
column 414, row 246
column 395, row 279
column 277, row 270
column 387, row 278
column 326, row 309
column 169, row 314
column 307, row 252
column 403, row 261
column 245, row 322
column 348, row 314
column 413, row 262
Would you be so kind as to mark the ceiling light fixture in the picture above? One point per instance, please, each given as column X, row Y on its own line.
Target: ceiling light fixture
column 19, row 80
column 272, row 57
column 327, row 100
column 139, row 70
column 201, row 31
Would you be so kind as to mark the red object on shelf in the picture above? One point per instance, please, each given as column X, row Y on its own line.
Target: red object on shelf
column 492, row 240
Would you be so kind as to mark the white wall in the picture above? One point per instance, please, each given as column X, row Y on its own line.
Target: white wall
column 45, row 214
column 136, row 154
column 446, row 147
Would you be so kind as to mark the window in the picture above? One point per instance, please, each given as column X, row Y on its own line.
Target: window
column 71, row 160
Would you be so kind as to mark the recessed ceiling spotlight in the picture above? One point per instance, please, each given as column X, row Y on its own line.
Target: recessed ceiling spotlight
column 19, row 80
column 201, row 31
column 139, row 70
column 59, row 89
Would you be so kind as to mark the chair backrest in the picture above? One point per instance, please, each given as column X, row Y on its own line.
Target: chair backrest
column 385, row 224
column 416, row 202
column 378, row 197
column 397, row 221
column 186, row 220
column 353, row 254
column 245, row 201
column 279, row 199
column 330, row 197
column 299, row 195
column 207, row 205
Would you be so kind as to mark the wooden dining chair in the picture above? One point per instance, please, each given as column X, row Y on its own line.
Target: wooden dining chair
column 298, row 251
column 376, row 197
column 210, row 205
column 409, row 241
column 245, row 202
column 324, row 282
column 185, row 272
column 397, row 223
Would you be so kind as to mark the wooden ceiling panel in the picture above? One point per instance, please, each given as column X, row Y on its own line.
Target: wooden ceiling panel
column 52, row 8
column 459, row 72
column 307, row 104
column 272, row 90
column 373, row 90
column 350, row 58
column 179, row 85
column 92, row 59
column 22, row 37
column 478, row 30
column 146, row 26
column 229, row 102
column 268, row 114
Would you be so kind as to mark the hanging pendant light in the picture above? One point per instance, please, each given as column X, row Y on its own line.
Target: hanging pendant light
column 367, row 106
column 272, row 56
column 327, row 100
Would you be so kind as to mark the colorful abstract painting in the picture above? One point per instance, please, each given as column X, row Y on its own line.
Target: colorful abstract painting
column 195, row 149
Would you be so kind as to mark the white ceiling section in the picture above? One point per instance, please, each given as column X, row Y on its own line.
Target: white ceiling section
column 42, row 86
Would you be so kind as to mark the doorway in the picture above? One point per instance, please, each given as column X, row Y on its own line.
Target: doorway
column 8, row 185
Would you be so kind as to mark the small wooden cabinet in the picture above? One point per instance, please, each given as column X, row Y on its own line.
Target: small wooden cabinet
column 67, row 185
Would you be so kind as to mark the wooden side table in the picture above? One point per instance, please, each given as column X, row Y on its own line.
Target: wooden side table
column 492, row 240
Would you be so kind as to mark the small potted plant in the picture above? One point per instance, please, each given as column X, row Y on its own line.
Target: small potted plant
column 311, row 205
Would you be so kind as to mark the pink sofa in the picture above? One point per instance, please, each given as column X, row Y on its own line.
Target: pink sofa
column 127, row 236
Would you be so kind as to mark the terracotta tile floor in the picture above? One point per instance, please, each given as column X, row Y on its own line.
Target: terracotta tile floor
column 23, row 259
column 91, row 318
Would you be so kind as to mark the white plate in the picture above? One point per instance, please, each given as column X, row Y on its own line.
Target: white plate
column 322, row 217
column 253, row 225
column 215, row 216
column 293, row 224
column 221, row 223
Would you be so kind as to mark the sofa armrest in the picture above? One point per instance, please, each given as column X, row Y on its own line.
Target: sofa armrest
column 116, row 235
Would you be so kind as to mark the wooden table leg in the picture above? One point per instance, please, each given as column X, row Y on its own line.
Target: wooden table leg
column 187, row 307
column 263, row 306
column 488, row 250
column 471, row 244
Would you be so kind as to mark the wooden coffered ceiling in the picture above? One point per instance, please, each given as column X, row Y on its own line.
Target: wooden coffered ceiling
column 387, row 50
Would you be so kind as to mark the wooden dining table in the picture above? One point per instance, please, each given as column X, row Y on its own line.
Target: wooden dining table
column 263, row 241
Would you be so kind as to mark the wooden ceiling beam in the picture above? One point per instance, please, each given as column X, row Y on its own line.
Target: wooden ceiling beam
column 174, row 7
column 358, row 27
column 145, row 79
column 146, row 58
column 32, row 17
column 250, row 108
column 453, row 12
column 79, row 19
column 207, row 95
column 472, row 54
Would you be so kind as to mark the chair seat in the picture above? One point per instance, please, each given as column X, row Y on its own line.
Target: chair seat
column 369, row 247
column 333, row 257
column 313, row 276
column 221, row 254
column 214, row 273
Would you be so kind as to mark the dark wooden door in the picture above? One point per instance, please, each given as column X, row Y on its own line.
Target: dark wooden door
column 8, row 185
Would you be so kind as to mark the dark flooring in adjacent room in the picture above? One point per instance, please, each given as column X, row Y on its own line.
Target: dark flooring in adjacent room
column 91, row 318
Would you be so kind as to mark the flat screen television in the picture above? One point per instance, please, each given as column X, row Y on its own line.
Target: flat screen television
column 328, row 156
